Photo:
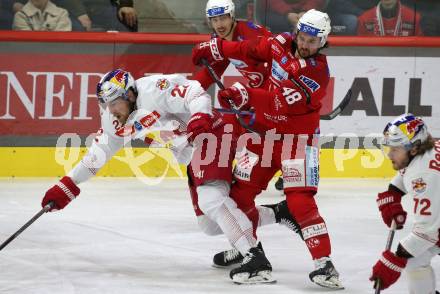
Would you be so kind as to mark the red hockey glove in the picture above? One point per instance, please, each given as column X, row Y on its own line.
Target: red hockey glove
column 211, row 51
column 61, row 194
column 198, row 124
column 388, row 269
column 390, row 208
column 237, row 94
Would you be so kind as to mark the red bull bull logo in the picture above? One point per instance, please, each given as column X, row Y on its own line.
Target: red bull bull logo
column 419, row 185
column 414, row 126
column 163, row 84
column 119, row 79
column 411, row 127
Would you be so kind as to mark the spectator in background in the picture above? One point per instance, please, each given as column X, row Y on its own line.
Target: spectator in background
column 389, row 18
column 99, row 15
column 42, row 15
column 344, row 14
column 283, row 15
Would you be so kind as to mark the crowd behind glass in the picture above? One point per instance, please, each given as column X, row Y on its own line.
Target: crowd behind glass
column 349, row 17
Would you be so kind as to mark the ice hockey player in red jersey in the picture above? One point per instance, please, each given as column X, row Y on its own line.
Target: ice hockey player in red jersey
column 288, row 118
column 220, row 15
column 416, row 156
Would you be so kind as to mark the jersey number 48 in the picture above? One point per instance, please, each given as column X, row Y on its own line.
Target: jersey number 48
column 291, row 95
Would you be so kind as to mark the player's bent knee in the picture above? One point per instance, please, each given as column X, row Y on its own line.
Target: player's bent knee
column 212, row 196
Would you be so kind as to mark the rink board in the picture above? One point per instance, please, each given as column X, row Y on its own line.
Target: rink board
column 158, row 163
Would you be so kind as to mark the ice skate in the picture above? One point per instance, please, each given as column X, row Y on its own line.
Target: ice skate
column 279, row 184
column 283, row 216
column 255, row 268
column 227, row 258
column 325, row 274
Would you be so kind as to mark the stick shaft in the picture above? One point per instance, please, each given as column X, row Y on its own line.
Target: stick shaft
column 387, row 247
column 216, row 79
column 26, row 225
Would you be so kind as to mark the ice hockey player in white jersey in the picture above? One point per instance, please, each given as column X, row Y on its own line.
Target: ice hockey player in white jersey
column 416, row 156
column 130, row 110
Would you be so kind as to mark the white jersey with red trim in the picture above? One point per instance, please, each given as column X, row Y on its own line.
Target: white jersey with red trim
column 421, row 181
column 165, row 104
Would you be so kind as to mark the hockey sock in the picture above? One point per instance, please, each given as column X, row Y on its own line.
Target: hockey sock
column 215, row 202
column 244, row 196
column 303, row 207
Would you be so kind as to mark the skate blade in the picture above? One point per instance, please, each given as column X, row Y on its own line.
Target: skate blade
column 230, row 266
column 263, row 277
column 332, row 282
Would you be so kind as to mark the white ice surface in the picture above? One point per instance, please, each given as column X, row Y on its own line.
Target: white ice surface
column 121, row 236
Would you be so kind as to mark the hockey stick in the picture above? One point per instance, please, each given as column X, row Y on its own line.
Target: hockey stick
column 222, row 87
column 387, row 247
column 231, row 111
column 335, row 112
column 329, row 116
column 45, row 209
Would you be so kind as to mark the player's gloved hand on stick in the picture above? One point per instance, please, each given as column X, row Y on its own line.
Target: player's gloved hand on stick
column 237, row 94
column 391, row 208
column 388, row 269
column 211, row 51
column 198, row 124
column 61, row 194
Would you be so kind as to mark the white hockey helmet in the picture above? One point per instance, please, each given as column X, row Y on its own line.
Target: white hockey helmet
column 220, row 7
column 405, row 131
column 315, row 23
column 115, row 84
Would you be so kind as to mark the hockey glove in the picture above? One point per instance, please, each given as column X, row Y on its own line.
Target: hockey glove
column 61, row 194
column 391, row 208
column 198, row 124
column 237, row 94
column 211, row 51
column 388, row 269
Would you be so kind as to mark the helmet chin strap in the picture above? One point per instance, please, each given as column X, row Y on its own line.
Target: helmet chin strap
column 232, row 28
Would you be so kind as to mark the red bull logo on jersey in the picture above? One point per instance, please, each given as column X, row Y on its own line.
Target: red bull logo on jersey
column 162, row 84
column 419, row 185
